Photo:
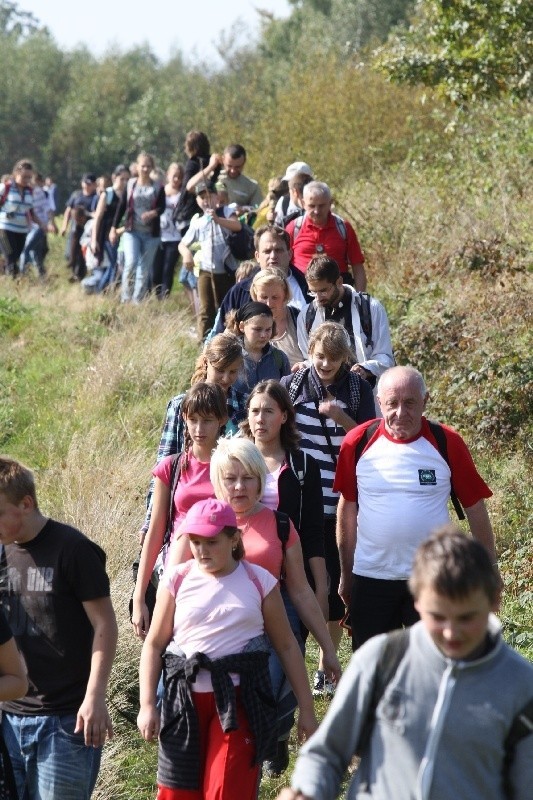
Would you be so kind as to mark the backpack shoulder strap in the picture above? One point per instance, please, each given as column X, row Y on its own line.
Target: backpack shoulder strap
column 310, row 314
column 285, row 204
column 341, row 226
column 283, row 526
column 521, row 726
column 278, row 358
column 179, row 578
column 391, row 655
column 440, row 438
column 298, row 222
column 253, row 577
column 362, row 444
column 362, row 301
column 175, row 474
column 296, row 383
column 294, row 312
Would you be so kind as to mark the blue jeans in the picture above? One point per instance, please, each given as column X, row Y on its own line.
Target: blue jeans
column 35, row 249
column 139, row 253
column 50, row 762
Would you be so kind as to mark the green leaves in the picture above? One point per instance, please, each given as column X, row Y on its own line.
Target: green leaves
column 470, row 50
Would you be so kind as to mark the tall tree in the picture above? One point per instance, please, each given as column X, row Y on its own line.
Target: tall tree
column 468, row 49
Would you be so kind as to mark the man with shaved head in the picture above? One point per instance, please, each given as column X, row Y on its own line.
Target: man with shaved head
column 395, row 476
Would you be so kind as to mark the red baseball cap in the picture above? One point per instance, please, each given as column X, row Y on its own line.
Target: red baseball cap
column 207, row 518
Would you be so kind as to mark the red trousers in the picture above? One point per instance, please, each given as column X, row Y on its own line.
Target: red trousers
column 227, row 772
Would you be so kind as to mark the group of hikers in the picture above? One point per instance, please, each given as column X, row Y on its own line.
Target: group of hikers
column 299, row 488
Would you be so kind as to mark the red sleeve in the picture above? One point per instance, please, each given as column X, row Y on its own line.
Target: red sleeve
column 467, row 482
column 345, row 481
column 353, row 248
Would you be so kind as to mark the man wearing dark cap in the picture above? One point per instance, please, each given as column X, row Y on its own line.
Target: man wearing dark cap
column 79, row 208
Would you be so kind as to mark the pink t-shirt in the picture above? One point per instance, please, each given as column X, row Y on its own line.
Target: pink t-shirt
column 261, row 541
column 193, row 485
column 216, row 616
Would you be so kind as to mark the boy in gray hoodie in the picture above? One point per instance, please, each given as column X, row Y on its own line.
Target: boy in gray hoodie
column 440, row 727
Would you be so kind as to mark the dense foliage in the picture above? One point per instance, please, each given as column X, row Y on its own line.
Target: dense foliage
column 469, row 49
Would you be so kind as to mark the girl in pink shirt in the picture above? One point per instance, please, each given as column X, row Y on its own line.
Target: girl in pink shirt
column 204, row 409
column 218, row 715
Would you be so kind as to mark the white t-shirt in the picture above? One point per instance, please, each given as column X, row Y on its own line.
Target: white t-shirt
column 406, row 487
column 270, row 497
column 216, row 616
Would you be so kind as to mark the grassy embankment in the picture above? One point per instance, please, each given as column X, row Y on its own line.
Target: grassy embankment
column 84, row 384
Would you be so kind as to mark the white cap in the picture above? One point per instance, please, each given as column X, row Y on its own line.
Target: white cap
column 298, row 166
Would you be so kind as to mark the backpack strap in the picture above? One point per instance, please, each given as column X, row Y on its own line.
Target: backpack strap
column 283, row 527
column 246, row 564
column 296, row 383
column 297, row 226
column 285, row 205
column 363, row 442
column 182, row 575
column 294, row 312
column 310, row 314
column 391, row 655
column 175, row 474
column 521, row 726
column 440, row 437
column 278, row 358
column 253, row 577
column 341, row 226
column 362, row 301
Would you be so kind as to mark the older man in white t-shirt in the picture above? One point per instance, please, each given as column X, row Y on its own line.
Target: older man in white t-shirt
column 395, row 480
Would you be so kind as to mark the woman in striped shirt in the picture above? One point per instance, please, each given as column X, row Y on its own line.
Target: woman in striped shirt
column 329, row 400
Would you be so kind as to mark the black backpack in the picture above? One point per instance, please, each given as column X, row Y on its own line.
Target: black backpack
column 362, row 301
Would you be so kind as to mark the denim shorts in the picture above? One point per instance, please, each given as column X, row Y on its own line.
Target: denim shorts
column 49, row 760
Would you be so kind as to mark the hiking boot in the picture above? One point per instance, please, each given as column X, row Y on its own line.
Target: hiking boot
column 322, row 687
column 274, row 768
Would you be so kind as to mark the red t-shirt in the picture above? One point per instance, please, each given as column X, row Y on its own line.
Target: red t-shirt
column 312, row 240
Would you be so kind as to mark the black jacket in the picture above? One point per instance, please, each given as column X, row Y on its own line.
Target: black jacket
column 305, row 507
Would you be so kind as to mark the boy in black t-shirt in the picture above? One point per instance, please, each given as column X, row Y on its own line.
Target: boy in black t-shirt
column 54, row 592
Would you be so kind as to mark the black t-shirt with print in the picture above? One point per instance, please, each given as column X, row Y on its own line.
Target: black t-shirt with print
column 43, row 584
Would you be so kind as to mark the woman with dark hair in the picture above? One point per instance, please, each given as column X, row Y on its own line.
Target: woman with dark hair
column 329, row 400
column 205, row 412
column 199, row 159
column 293, row 482
column 293, row 485
column 143, row 202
